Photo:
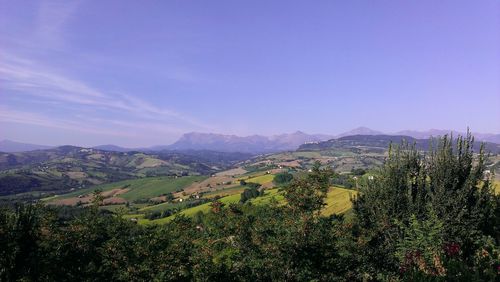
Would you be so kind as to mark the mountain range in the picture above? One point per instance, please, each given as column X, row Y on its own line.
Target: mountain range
column 9, row 146
column 380, row 143
column 249, row 144
column 254, row 144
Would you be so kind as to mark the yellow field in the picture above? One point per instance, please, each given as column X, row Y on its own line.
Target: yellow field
column 338, row 201
column 268, row 196
column 194, row 210
column 263, row 179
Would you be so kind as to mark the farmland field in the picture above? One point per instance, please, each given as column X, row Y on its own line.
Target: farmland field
column 201, row 208
column 268, row 197
column 162, row 207
column 155, row 187
column 263, row 179
column 338, row 201
column 225, row 192
column 143, row 188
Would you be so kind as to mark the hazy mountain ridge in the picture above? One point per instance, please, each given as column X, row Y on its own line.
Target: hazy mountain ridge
column 382, row 142
column 10, row 146
column 248, row 144
column 486, row 137
column 254, row 143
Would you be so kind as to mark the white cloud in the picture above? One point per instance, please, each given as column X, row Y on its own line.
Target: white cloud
column 34, row 82
column 14, row 116
column 29, row 80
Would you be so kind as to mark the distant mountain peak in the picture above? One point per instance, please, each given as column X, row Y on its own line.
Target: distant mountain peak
column 246, row 144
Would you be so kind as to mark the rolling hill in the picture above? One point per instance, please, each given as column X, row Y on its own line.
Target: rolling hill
column 127, row 190
column 68, row 167
column 338, row 201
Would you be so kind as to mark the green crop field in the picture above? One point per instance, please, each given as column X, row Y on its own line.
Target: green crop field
column 149, row 188
column 142, row 188
column 263, row 179
column 268, row 196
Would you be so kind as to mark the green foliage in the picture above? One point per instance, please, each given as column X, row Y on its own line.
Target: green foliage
column 449, row 182
column 282, row 178
column 19, row 238
column 250, row 193
column 358, row 171
column 307, row 195
column 420, row 246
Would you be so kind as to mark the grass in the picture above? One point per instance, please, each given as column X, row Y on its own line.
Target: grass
column 263, row 179
column 338, row 200
column 268, row 196
column 496, row 186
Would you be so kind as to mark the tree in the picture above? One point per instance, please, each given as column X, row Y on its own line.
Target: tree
column 448, row 181
column 250, row 193
column 306, row 195
column 282, row 178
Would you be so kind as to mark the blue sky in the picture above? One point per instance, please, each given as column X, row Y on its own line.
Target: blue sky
column 138, row 73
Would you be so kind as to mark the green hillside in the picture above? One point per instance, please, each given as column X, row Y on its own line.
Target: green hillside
column 62, row 169
column 135, row 189
column 338, row 201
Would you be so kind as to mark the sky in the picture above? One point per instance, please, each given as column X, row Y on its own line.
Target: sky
column 140, row 73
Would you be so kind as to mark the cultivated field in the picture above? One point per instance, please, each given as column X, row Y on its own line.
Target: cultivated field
column 338, row 201
column 128, row 190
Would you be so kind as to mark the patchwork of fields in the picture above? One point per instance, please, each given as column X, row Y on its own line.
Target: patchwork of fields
column 190, row 195
column 128, row 190
column 338, row 201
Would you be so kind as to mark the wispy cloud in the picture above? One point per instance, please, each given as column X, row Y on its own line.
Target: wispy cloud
column 69, row 101
column 15, row 116
column 29, row 79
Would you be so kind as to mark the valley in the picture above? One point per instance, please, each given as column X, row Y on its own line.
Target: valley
column 154, row 187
